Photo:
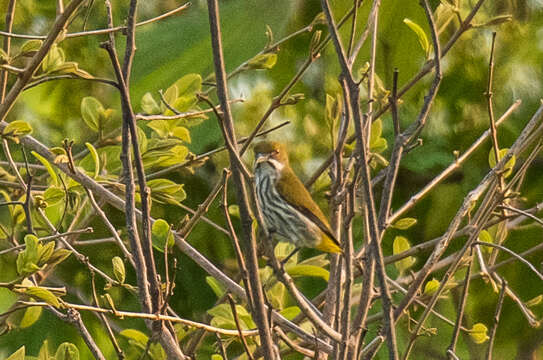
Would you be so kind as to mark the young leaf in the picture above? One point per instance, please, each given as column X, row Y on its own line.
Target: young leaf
column 216, row 286
column 91, row 109
column 53, row 195
column 262, row 61
column 48, row 166
column 478, row 333
column 30, row 47
column 431, row 287
column 43, row 294
column 16, row 129
column 27, row 260
column 189, row 84
column 400, row 245
column 509, row 165
column 31, row 315
column 135, row 337
column 421, row 35
column 95, row 158
column 149, row 104
column 162, row 235
column 18, row 355
column 307, row 270
column 405, row 223
column 67, row 351
column 118, row 269
column 485, row 236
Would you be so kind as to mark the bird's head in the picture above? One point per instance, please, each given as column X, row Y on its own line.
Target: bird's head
column 272, row 153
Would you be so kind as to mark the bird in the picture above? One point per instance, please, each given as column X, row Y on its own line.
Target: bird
column 288, row 210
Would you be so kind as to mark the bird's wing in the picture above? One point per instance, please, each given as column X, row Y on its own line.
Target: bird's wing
column 302, row 201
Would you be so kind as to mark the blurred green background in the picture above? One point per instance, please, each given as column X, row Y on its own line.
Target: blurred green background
column 180, row 45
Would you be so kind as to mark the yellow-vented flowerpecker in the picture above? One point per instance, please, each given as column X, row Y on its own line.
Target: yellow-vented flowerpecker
column 288, row 209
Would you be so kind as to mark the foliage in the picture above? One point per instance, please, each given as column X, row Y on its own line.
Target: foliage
column 72, row 105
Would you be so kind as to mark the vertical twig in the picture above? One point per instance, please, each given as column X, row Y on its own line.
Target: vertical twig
column 10, row 14
column 461, row 305
column 259, row 310
column 496, row 319
column 238, row 326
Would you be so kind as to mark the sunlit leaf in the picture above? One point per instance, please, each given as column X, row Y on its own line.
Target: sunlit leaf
column 48, row 166
column 262, row 61
column 31, row 315
column 16, row 129
column 43, row 294
column 95, row 158
column 67, row 351
column 90, row 111
column 139, row 339
column 509, row 165
column 118, row 269
column 421, row 35
column 307, row 270
column 404, row 223
column 431, row 287
column 162, row 235
column 216, row 286
column 400, row 245
column 18, row 355
column 479, row 333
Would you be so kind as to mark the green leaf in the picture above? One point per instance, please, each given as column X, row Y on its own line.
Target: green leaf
column 48, row 166
column 166, row 191
column 376, row 132
column 139, row 339
column 431, row 287
column 509, row 165
column 307, row 270
column 43, row 294
column 44, row 351
column 27, row 260
column 189, row 84
column 478, row 333
column 30, row 47
column 4, row 58
column 485, row 236
column 67, row 351
column 170, row 95
column 53, row 195
column 181, row 133
column 18, row 355
column 290, row 312
column 149, row 104
column 216, row 286
column 45, row 252
column 400, row 245
column 216, row 357
column 534, row 301
column 16, row 129
column 161, row 127
column 262, row 61
column 379, row 145
column 58, row 256
column 53, row 59
column 95, row 158
column 405, row 223
column 421, row 35
column 118, row 269
column 91, row 109
column 233, row 210
column 162, row 235
column 31, row 315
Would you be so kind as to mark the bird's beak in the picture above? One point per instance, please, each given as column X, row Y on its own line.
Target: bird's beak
column 260, row 158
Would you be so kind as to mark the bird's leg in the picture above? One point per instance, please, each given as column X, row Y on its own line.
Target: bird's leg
column 285, row 260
